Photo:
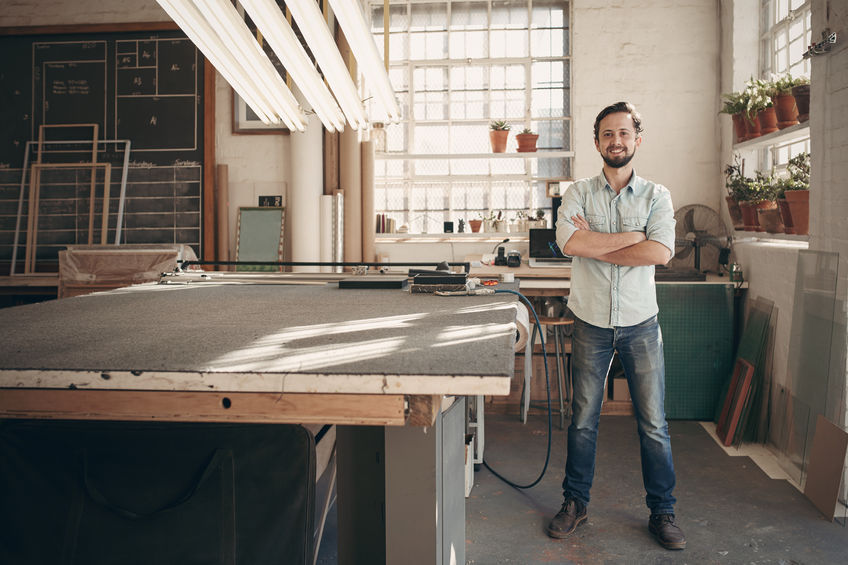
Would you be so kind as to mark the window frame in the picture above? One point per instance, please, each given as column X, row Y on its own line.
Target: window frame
column 498, row 192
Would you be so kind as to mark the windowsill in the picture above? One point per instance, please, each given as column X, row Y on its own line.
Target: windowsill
column 485, row 237
column 787, row 134
column 789, row 241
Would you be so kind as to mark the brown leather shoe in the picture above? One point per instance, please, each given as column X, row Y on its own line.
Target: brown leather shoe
column 572, row 514
column 666, row 532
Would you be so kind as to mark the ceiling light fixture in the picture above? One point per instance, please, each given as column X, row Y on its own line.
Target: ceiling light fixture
column 258, row 83
column 282, row 39
column 364, row 49
column 311, row 23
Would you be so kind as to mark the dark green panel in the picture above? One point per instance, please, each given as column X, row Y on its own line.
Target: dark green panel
column 697, row 329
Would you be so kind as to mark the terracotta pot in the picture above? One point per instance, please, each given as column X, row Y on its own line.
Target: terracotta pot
column 799, row 207
column 526, row 142
column 475, row 225
column 785, row 215
column 749, row 216
column 768, row 120
column 498, row 138
column 735, row 213
column 802, row 99
column 761, row 205
column 787, row 110
column 739, row 126
column 752, row 127
column 769, row 217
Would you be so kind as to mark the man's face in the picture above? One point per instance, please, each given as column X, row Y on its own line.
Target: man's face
column 617, row 140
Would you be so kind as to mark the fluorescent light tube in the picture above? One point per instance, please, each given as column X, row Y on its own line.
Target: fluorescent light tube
column 270, row 109
column 279, row 34
column 230, row 26
column 320, row 40
column 364, row 49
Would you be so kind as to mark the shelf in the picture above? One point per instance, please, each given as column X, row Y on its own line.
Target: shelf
column 446, row 156
column 776, row 137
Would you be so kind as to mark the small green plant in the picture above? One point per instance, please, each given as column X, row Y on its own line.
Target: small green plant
column 756, row 97
column 499, row 125
column 783, row 84
column 734, row 103
column 528, row 131
column 735, row 182
column 540, row 214
column 799, row 171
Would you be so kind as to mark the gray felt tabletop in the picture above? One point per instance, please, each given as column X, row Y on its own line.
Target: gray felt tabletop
column 243, row 330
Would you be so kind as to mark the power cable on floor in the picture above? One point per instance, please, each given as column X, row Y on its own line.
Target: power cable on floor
column 529, row 350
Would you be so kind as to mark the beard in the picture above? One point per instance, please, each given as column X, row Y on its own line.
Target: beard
column 618, row 161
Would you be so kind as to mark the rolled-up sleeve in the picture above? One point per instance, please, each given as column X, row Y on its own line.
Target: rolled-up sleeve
column 661, row 222
column 572, row 205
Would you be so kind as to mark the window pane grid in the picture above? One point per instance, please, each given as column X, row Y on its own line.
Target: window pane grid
column 461, row 77
column 785, row 35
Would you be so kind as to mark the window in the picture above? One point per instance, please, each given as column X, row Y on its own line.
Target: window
column 785, row 35
column 456, row 66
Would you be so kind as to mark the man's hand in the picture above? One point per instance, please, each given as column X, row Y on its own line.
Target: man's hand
column 580, row 222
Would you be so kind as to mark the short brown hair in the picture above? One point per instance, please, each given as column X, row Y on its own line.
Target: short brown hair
column 625, row 107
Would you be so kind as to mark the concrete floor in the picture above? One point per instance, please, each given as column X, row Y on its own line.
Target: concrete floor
column 730, row 510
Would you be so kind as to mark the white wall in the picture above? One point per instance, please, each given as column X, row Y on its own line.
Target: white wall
column 829, row 166
column 663, row 56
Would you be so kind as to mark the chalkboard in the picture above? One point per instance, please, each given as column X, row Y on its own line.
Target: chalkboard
column 141, row 86
column 260, row 237
column 145, row 86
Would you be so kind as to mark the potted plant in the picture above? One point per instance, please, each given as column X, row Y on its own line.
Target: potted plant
column 781, row 186
column 477, row 223
column 755, row 100
column 520, row 222
column 801, row 92
column 760, row 197
column 734, row 105
column 798, row 196
column 764, row 102
column 526, row 140
column 541, row 222
column 498, row 134
column 768, row 214
column 784, row 101
column 736, row 186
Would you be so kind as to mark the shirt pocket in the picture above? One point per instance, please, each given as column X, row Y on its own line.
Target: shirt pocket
column 634, row 223
column 597, row 223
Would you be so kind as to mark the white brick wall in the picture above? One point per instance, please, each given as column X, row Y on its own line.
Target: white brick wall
column 664, row 57
column 829, row 182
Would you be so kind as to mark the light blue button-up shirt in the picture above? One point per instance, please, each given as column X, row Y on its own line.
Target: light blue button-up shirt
column 603, row 294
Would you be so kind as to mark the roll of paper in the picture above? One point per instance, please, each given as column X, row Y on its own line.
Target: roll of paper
column 326, row 231
column 522, row 326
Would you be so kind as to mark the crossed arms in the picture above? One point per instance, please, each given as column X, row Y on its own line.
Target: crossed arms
column 631, row 249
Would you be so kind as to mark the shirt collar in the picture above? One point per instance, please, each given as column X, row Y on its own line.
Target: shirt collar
column 633, row 184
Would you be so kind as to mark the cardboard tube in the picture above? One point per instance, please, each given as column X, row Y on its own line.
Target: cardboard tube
column 326, row 231
column 368, row 212
column 350, row 180
column 307, row 186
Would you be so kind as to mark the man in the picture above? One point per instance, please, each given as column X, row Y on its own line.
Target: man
column 617, row 226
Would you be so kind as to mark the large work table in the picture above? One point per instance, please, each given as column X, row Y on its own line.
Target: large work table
column 376, row 361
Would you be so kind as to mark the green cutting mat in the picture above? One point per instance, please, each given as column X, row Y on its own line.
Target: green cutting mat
column 697, row 329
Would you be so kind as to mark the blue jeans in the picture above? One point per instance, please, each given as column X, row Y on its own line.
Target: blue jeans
column 640, row 350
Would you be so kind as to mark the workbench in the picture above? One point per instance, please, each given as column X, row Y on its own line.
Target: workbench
column 390, row 367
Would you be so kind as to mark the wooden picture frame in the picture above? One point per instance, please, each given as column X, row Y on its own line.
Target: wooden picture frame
column 259, row 237
column 555, row 188
column 245, row 121
column 735, row 401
